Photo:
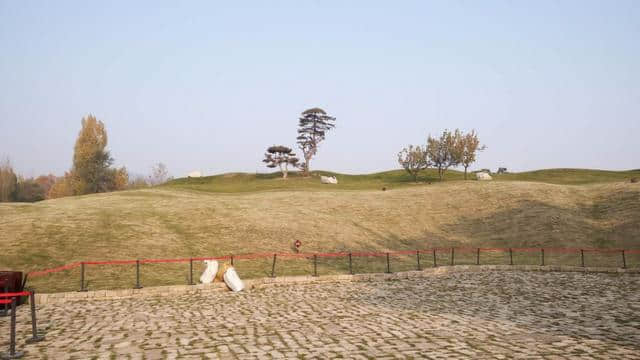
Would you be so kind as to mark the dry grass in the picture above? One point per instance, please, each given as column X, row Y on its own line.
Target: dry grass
column 172, row 223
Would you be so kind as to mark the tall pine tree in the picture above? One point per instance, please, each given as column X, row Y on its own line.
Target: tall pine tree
column 313, row 126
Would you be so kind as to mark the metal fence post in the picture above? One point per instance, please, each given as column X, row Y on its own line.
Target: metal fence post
column 542, row 257
column 452, row 255
column 12, row 354
column 350, row 265
column 478, row 256
column 138, row 286
column 624, row 260
column 191, row 271
column 5, row 311
column 315, row 265
column 435, row 264
column 388, row 265
column 231, row 260
column 418, row 259
column 34, row 329
column 582, row 257
column 273, row 267
column 82, row 283
column 510, row 256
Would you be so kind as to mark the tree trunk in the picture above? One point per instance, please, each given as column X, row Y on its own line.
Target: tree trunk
column 465, row 172
column 307, row 160
column 286, row 170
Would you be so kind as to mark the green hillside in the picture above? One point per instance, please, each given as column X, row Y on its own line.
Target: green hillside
column 244, row 182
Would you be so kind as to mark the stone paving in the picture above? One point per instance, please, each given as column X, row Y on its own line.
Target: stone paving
column 491, row 314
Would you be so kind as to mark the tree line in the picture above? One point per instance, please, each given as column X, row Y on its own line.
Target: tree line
column 91, row 171
column 450, row 149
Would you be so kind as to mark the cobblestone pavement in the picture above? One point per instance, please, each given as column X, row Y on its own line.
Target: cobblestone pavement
column 457, row 315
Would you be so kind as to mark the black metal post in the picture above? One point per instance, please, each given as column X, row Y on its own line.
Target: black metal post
column 582, row 257
column 350, row 265
column 510, row 256
column 273, row 267
column 231, row 260
column 5, row 311
column 452, row 255
column 191, row 271
column 388, row 265
column 315, row 265
column 12, row 354
column 138, row 286
column 478, row 256
column 542, row 256
column 624, row 260
column 435, row 264
column 34, row 329
column 82, row 282
column 418, row 259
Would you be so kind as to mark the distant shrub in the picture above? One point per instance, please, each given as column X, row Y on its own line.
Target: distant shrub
column 62, row 187
column 634, row 180
column 29, row 190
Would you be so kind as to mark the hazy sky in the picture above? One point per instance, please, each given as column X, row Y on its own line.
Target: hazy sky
column 209, row 85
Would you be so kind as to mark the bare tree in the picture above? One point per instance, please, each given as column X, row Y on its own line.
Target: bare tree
column 312, row 128
column 444, row 152
column 470, row 145
column 279, row 155
column 159, row 174
column 413, row 160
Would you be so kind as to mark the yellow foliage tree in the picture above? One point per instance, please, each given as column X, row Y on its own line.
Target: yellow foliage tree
column 90, row 159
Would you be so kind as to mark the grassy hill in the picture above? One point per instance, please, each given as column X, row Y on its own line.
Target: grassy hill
column 244, row 182
column 192, row 217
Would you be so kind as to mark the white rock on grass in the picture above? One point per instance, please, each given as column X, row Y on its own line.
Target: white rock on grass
column 483, row 176
column 328, row 180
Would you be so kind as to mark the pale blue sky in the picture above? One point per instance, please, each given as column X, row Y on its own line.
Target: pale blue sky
column 209, row 85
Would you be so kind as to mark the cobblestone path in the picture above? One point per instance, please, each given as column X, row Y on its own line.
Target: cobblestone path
column 457, row 315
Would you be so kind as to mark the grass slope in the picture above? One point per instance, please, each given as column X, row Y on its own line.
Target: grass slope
column 176, row 221
column 243, row 182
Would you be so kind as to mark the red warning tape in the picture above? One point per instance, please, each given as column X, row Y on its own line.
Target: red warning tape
column 325, row 255
column 15, row 294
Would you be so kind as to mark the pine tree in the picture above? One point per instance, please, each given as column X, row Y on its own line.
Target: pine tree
column 313, row 126
column 280, row 155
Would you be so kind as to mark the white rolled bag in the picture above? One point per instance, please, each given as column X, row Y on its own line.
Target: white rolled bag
column 210, row 272
column 232, row 280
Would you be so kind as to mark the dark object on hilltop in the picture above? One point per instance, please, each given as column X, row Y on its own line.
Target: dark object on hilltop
column 634, row 180
column 384, row 189
column 502, row 170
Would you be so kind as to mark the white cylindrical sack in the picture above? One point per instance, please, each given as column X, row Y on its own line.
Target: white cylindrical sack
column 232, row 280
column 210, row 272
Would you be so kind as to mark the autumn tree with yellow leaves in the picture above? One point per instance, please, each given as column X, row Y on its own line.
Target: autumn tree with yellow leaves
column 91, row 171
